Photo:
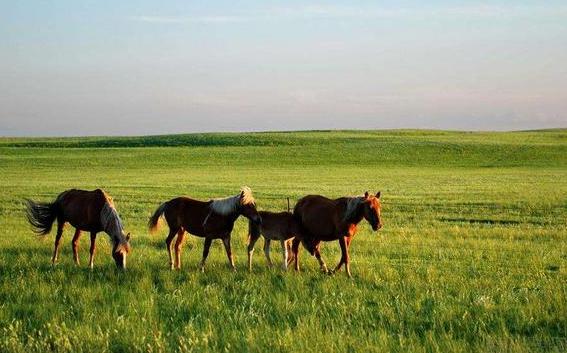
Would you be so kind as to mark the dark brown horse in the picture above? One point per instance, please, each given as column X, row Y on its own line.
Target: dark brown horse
column 90, row 211
column 275, row 226
column 323, row 219
column 212, row 219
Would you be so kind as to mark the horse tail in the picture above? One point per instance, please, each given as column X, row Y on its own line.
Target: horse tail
column 154, row 219
column 41, row 215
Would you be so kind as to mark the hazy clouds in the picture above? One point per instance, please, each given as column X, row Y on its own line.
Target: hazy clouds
column 145, row 68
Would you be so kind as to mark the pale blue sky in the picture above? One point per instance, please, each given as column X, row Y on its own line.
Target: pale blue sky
column 150, row 67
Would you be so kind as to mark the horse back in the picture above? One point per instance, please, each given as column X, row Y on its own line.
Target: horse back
column 191, row 215
column 318, row 216
column 81, row 208
column 278, row 225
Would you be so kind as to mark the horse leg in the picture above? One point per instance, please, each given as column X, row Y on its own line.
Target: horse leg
column 168, row 242
column 206, row 248
column 60, row 225
column 345, row 257
column 288, row 244
column 340, row 264
column 252, row 239
column 92, row 250
column 267, row 251
column 75, row 245
column 178, row 247
column 226, row 243
column 295, row 252
column 317, row 252
column 285, row 254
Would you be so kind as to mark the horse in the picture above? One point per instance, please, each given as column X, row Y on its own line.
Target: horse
column 275, row 226
column 90, row 211
column 324, row 219
column 213, row 219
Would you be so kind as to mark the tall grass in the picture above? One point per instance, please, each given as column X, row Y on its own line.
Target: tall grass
column 472, row 256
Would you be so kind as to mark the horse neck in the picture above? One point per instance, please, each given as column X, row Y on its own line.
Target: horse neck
column 111, row 224
column 232, row 217
column 356, row 215
column 226, row 218
column 225, row 207
column 117, row 238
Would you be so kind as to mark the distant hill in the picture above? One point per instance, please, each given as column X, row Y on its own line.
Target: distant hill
column 289, row 138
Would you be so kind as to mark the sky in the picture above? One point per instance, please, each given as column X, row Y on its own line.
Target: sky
column 74, row 67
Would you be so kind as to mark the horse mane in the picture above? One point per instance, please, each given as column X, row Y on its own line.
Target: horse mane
column 247, row 197
column 107, row 197
column 352, row 206
column 229, row 204
column 111, row 222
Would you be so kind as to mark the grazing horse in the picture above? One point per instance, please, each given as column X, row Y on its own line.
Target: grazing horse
column 212, row 219
column 90, row 211
column 323, row 219
column 275, row 226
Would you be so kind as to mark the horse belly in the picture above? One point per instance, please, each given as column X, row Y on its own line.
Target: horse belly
column 213, row 232
column 320, row 228
column 276, row 233
column 80, row 218
column 195, row 230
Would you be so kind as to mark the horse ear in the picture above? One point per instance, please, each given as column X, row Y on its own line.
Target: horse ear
column 378, row 195
column 366, row 195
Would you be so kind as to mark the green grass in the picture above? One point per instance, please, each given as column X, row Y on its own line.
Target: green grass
column 473, row 256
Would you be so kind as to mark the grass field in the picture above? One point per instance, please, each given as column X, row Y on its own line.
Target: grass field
column 473, row 255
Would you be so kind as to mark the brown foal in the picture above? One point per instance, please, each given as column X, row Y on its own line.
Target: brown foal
column 275, row 226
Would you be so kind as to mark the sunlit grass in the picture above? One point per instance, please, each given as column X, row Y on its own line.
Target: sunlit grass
column 473, row 255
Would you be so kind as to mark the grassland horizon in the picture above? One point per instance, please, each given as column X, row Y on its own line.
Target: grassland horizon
column 473, row 256
column 291, row 131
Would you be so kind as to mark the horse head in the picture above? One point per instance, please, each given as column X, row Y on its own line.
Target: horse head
column 372, row 209
column 120, row 250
